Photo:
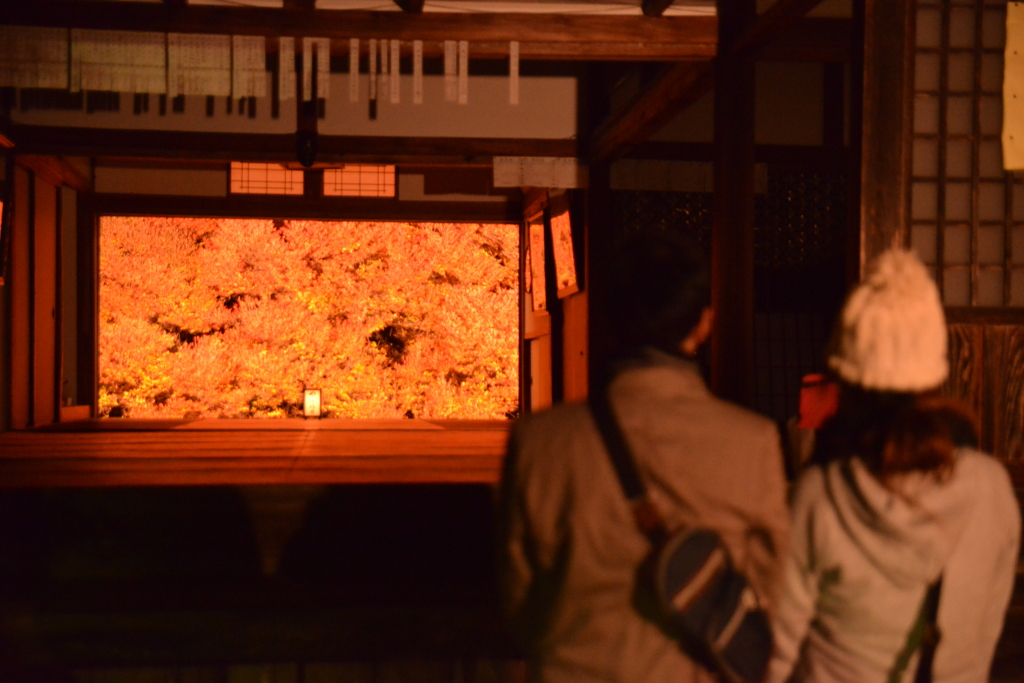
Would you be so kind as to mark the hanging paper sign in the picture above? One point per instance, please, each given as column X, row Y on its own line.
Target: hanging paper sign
column 395, row 64
column 561, row 245
column 451, row 82
column 1013, row 89
column 536, row 227
column 198, row 64
column 119, row 61
column 513, row 72
column 384, row 67
column 463, row 71
column 373, row 68
column 286, row 68
column 353, row 70
column 323, row 67
column 417, row 72
column 248, row 66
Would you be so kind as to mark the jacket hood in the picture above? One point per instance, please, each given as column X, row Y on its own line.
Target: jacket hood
column 908, row 529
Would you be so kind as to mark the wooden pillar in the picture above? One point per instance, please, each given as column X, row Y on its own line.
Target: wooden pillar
column 732, row 236
column 87, row 253
column 45, row 347
column 18, row 282
column 886, row 125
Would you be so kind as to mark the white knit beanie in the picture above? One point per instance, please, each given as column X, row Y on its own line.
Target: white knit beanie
column 892, row 331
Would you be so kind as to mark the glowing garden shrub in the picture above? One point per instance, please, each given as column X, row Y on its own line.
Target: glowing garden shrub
column 203, row 317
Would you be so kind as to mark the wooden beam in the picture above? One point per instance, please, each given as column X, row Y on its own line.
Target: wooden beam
column 540, row 36
column 655, row 8
column 886, row 128
column 180, row 452
column 94, row 142
column 776, row 19
column 678, row 87
column 732, row 231
column 55, row 171
column 411, row 6
column 683, row 84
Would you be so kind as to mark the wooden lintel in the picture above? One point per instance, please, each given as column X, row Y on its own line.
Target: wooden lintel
column 541, row 36
column 97, row 142
column 55, row 171
column 804, row 156
column 299, row 207
column 683, row 84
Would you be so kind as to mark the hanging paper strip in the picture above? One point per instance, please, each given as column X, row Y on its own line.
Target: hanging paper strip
column 33, row 57
column 373, row 68
column 118, row 61
column 513, row 72
column 451, row 83
column 323, row 67
column 463, row 71
column 395, row 63
column 417, row 72
column 286, row 68
column 353, row 70
column 248, row 66
column 384, row 69
column 198, row 64
column 1013, row 89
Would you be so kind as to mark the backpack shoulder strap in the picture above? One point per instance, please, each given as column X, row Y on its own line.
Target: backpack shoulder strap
column 647, row 518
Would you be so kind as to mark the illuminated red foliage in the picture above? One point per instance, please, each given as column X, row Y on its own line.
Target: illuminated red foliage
column 203, row 317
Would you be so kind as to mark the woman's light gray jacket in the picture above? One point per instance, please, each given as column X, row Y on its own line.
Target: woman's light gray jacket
column 570, row 548
column 862, row 556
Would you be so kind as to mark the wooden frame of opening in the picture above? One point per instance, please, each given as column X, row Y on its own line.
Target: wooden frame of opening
column 92, row 453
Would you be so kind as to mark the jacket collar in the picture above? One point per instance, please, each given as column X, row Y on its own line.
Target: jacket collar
column 655, row 372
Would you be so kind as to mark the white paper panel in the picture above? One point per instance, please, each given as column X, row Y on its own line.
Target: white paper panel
column 286, row 68
column 33, row 57
column 538, row 172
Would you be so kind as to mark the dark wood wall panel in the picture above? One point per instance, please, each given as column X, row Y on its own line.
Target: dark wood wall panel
column 1004, row 361
column 966, row 369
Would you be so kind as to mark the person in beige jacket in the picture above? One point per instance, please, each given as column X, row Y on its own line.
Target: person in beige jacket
column 570, row 549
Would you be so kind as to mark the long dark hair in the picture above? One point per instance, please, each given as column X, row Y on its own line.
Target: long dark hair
column 895, row 433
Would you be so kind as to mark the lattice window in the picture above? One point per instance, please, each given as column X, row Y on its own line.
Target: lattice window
column 360, row 180
column 967, row 213
column 258, row 178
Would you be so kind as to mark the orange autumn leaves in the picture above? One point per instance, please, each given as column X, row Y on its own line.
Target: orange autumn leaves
column 208, row 317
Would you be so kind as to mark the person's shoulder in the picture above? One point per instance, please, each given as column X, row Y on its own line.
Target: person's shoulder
column 986, row 469
column 975, row 463
column 742, row 421
column 559, row 417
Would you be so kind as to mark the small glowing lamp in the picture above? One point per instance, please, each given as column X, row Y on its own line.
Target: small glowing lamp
column 311, row 403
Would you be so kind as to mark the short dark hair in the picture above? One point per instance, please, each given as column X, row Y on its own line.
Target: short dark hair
column 660, row 283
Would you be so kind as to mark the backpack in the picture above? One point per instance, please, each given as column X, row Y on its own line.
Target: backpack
column 698, row 596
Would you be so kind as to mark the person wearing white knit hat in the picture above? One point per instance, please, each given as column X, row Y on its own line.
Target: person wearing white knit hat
column 900, row 524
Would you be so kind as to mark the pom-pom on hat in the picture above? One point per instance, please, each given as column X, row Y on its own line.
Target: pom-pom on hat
column 892, row 331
